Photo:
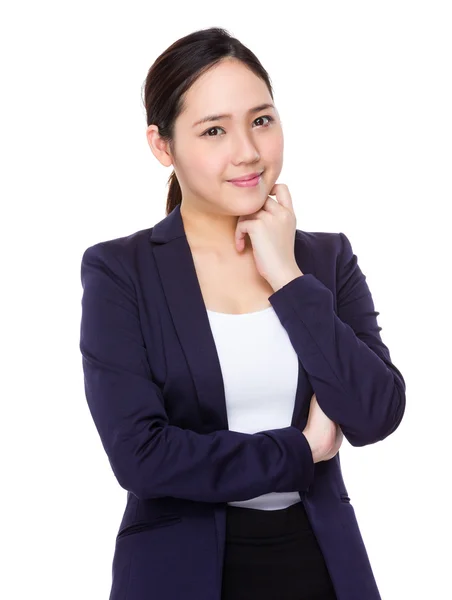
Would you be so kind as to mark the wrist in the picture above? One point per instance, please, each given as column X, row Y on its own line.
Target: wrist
column 317, row 448
column 286, row 278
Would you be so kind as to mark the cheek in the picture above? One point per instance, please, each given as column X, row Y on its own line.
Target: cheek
column 204, row 171
column 198, row 156
column 197, row 164
column 211, row 167
column 274, row 150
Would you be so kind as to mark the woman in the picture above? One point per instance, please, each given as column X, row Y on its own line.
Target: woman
column 226, row 354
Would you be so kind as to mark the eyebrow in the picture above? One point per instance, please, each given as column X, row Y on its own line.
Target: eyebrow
column 229, row 116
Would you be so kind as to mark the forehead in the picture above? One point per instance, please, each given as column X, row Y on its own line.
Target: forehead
column 228, row 87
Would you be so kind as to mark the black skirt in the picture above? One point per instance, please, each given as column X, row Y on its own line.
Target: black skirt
column 273, row 555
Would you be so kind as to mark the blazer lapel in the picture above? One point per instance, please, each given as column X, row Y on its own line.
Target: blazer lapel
column 185, row 301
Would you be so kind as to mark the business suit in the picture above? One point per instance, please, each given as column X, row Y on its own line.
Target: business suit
column 155, row 391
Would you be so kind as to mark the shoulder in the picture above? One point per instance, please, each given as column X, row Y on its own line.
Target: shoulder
column 122, row 248
column 329, row 242
column 117, row 255
column 123, row 244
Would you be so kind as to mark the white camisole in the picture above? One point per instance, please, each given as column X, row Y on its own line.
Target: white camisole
column 260, row 375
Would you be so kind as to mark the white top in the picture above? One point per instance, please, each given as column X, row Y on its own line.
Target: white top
column 260, row 374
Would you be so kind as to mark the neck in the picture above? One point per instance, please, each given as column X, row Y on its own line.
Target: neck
column 212, row 232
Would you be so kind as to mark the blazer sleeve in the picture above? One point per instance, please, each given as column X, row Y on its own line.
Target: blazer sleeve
column 346, row 361
column 148, row 456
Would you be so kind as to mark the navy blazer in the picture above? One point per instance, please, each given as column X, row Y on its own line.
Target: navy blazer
column 155, row 392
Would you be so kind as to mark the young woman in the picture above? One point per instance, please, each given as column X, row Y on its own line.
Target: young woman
column 226, row 353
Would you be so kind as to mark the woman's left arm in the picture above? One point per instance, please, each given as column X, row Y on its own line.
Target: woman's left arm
column 346, row 361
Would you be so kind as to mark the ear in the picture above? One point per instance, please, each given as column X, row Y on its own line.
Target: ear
column 159, row 147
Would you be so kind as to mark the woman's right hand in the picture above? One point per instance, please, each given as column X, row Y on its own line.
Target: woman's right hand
column 324, row 435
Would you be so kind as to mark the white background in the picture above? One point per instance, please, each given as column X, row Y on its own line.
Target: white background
column 364, row 93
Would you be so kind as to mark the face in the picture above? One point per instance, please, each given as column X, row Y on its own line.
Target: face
column 208, row 154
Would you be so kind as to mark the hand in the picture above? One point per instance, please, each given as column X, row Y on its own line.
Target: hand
column 324, row 435
column 337, row 443
column 272, row 233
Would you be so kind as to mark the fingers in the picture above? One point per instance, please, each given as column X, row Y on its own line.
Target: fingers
column 281, row 191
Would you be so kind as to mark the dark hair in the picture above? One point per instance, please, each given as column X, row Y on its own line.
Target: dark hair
column 175, row 70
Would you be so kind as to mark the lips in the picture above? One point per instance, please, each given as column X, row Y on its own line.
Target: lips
column 247, row 177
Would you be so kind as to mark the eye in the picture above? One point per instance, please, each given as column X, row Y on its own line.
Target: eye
column 205, row 134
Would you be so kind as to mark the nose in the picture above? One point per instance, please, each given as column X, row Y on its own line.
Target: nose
column 245, row 149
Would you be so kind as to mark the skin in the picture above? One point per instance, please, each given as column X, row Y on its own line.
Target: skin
column 229, row 222
column 203, row 164
column 324, row 435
